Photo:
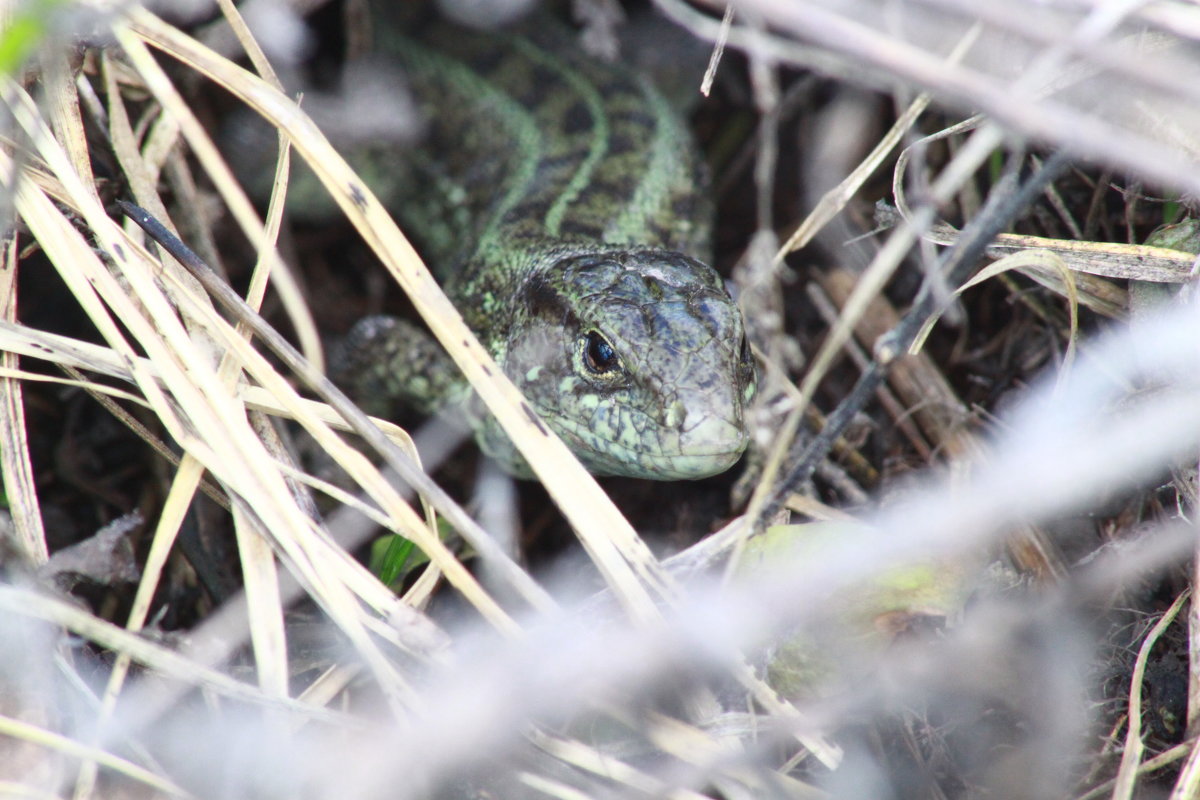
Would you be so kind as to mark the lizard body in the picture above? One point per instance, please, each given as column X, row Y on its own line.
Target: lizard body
column 561, row 201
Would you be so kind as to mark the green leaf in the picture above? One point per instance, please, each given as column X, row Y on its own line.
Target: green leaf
column 27, row 28
column 390, row 557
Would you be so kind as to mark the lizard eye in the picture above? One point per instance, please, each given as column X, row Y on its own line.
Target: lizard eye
column 598, row 355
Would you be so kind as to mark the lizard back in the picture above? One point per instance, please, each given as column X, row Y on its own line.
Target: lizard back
column 529, row 138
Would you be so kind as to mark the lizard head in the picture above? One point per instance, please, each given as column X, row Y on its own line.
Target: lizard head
column 637, row 359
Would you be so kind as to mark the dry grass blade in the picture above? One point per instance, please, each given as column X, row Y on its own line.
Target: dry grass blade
column 1134, row 747
column 591, row 760
column 836, row 199
column 1147, row 767
column 78, row 354
column 266, row 611
column 96, row 389
column 260, row 577
column 162, row 660
column 1106, row 259
column 1189, row 777
column 1041, row 261
column 1085, row 260
column 53, row 741
column 15, row 466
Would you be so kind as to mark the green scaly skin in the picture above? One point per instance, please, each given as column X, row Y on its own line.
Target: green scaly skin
column 559, row 200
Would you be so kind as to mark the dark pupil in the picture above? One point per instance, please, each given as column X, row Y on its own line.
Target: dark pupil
column 598, row 354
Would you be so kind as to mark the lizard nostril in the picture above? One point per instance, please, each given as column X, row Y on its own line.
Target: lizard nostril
column 674, row 414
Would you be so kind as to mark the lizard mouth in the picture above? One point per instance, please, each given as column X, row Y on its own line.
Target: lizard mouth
column 708, row 448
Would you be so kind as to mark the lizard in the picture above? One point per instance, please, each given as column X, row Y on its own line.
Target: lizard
column 561, row 201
